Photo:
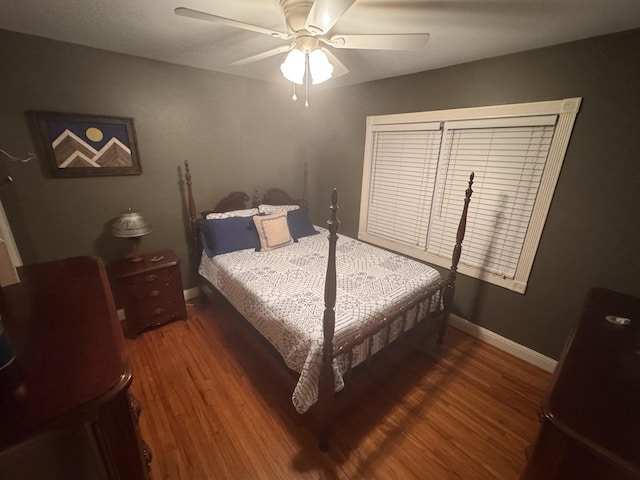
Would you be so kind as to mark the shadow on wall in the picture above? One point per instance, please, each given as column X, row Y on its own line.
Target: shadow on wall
column 109, row 247
column 493, row 249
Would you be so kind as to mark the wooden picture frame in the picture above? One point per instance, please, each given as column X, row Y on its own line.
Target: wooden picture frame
column 82, row 145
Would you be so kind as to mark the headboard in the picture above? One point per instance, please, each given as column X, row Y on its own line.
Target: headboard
column 238, row 201
column 232, row 201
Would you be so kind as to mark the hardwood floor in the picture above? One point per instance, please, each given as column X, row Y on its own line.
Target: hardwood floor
column 210, row 411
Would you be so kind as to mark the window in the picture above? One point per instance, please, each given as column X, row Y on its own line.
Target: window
column 416, row 170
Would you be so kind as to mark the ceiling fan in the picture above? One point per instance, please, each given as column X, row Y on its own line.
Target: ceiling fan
column 308, row 25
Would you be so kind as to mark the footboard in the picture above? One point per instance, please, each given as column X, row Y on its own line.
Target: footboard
column 422, row 309
column 433, row 308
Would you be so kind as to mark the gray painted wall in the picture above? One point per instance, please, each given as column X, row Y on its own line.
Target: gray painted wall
column 592, row 233
column 237, row 134
column 241, row 134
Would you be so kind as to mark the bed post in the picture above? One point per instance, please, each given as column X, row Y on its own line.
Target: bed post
column 327, row 381
column 305, row 182
column 457, row 251
column 192, row 209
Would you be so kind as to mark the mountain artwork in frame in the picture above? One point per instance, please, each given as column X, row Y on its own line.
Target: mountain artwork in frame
column 82, row 145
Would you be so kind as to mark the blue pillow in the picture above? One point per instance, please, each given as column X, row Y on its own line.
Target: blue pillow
column 224, row 235
column 299, row 224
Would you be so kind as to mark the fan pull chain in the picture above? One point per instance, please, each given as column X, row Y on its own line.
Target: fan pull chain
column 306, row 80
column 294, row 97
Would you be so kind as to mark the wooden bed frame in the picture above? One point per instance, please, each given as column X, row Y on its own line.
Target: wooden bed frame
column 366, row 374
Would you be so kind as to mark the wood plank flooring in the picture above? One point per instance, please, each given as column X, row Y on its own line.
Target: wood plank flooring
column 210, row 411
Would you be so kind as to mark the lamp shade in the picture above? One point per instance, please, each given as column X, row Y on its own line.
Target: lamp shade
column 293, row 67
column 130, row 224
column 320, row 66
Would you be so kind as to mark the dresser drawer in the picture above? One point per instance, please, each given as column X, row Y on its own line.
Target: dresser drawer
column 156, row 298
column 158, row 313
column 151, row 280
column 155, row 291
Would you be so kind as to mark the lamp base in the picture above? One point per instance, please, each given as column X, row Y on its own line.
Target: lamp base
column 135, row 258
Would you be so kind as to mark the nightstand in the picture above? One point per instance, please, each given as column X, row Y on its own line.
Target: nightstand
column 151, row 290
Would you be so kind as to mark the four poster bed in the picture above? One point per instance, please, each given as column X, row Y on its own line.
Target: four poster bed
column 330, row 319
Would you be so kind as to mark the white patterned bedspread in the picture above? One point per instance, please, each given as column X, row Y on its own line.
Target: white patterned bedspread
column 281, row 292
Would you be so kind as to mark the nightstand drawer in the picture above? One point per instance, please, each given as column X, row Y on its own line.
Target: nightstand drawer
column 156, row 298
column 151, row 280
column 154, row 291
column 158, row 313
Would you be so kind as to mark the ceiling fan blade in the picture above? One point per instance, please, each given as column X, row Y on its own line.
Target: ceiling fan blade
column 209, row 17
column 263, row 55
column 403, row 41
column 325, row 13
column 338, row 67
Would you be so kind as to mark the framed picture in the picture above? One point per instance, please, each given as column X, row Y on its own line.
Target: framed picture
column 79, row 145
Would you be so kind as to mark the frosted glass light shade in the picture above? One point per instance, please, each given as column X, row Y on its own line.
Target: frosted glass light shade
column 293, row 66
column 320, row 67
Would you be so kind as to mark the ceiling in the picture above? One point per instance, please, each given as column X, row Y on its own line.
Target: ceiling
column 461, row 30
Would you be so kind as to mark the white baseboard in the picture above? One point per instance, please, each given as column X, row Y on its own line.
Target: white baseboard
column 504, row 344
column 189, row 294
column 192, row 293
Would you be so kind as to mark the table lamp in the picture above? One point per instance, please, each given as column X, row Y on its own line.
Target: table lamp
column 132, row 225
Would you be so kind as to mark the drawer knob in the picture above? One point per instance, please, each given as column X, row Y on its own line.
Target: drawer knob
column 154, row 293
column 150, row 278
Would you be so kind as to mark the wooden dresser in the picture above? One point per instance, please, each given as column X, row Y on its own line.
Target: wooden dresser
column 151, row 290
column 591, row 418
column 71, row 415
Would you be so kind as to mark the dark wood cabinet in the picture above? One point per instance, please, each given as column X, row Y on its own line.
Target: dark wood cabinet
column 67, row 411
column 151, row 290
column 591, row 417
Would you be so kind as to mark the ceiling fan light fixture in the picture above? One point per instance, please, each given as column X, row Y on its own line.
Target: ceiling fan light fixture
column 293, row 67
column 320, row 66
column 309, row 23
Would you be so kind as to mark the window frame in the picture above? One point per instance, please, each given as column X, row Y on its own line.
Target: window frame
column 566, row 111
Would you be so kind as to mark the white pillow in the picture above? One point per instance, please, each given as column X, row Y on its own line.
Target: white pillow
column 269, row 209
column 247, row 212
column 273, row 231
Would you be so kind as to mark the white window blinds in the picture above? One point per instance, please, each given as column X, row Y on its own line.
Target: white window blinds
column 417, row 168
column 403, row 173
column 508, row 157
